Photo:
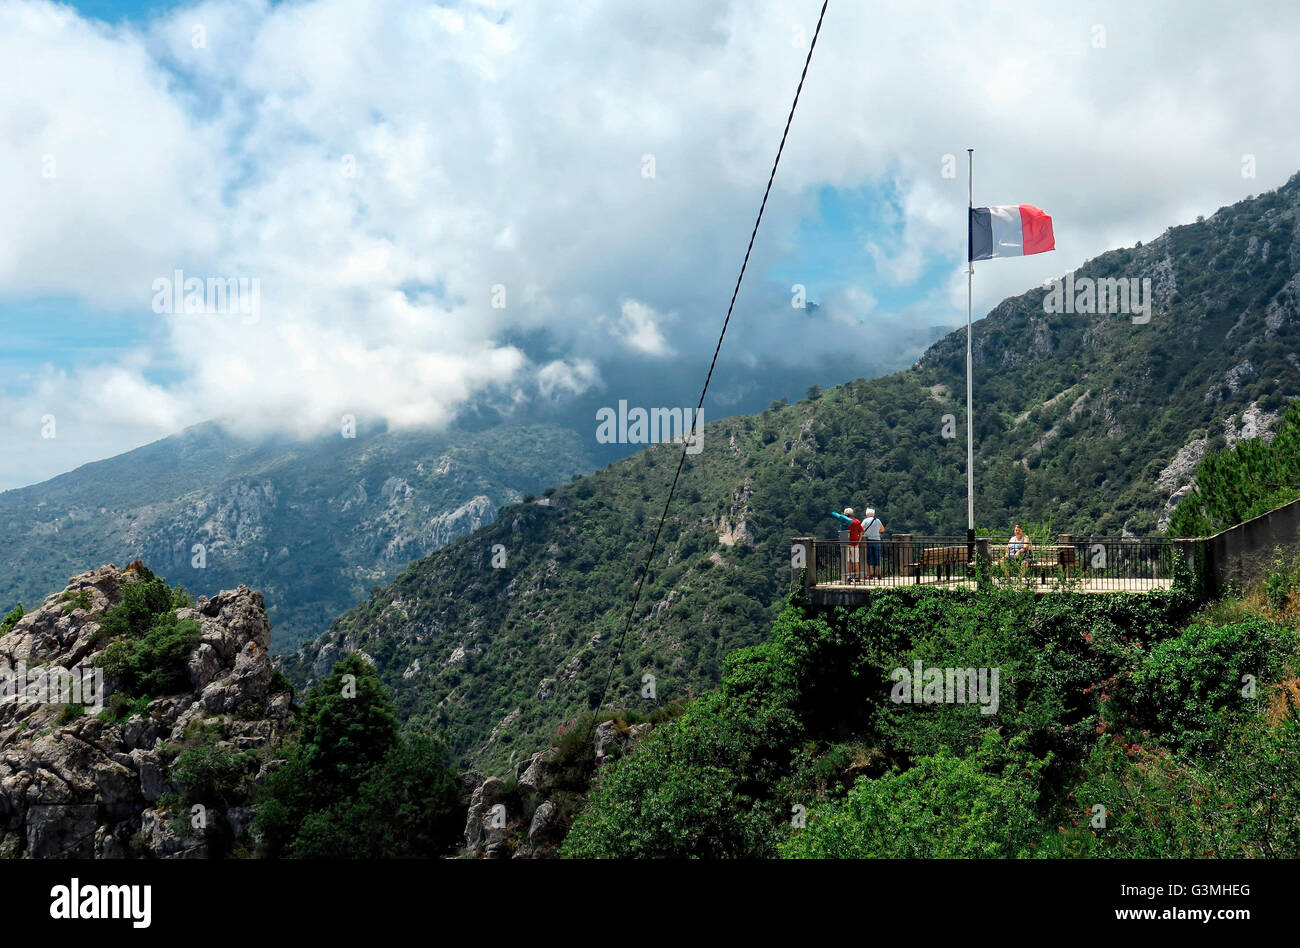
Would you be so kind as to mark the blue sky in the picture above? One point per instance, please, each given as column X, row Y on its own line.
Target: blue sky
column 831, row 249
column 115, row 11
column 64, row 332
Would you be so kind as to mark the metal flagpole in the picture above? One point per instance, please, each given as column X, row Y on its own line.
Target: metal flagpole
column 970, row 422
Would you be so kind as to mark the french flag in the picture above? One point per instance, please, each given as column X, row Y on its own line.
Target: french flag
column 1009, row 230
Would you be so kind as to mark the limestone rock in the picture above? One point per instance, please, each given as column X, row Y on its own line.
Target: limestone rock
column 77, row 784
column 532, row 823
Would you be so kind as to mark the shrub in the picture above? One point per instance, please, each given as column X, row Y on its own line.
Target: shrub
column 1282, row 580
column 683, row 793
column 212, row 775
column 141, row 602
column 943, row 806
column 1241, row 801
column 154, row 663
column 1183, row 683
column 121, row 706
column 72, row 601
column 799, row 719
column 11, row 620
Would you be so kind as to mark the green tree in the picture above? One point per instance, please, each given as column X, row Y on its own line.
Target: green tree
column 1251, row 478
column 352, row 786
column 349, row 724
column 407, row 807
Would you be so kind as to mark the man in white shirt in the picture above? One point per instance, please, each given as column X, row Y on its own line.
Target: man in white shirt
column 871, row 528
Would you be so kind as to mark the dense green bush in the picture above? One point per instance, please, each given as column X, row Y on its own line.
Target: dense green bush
column 155, row 662
column 212, row 775
column 1183, row 684
column 684, row 793
column 797, row 720
column 1241, row 799
column 1124, row 702
column 74, row 601
column 142, row 601
column 1282, row 581
column 150, row 646
column 943, row 806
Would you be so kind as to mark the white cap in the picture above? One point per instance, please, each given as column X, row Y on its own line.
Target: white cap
column 848, row 511
column 871, row 511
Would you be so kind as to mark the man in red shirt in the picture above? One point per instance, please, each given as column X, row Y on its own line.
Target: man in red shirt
column 855, row 536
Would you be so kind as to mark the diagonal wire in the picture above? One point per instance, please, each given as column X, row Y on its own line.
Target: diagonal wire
column 686, row 442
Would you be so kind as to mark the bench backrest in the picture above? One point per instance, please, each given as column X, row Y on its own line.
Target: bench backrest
column 1064, row 555
column 943, row 555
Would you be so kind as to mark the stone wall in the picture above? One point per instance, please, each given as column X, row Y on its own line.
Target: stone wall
column 1244, row 553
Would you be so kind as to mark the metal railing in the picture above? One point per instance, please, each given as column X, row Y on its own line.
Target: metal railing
column 898, row 560
column 1103, row 564
column 1086, row 564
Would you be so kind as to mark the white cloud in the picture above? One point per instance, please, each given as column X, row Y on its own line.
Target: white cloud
column 639, row 329
column 501, row 144
column 564, row 378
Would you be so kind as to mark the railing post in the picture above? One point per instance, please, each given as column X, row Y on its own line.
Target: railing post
column 803, row 549
column 1063, row 559
column 982, row 561
column 1190, row 554
column 843, row 550
column 903, row 550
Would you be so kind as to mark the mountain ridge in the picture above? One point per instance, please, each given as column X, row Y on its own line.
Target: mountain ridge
column 313, row 524
column 1078, row 417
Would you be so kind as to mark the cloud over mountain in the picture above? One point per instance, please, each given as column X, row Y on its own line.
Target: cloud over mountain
column 445, row 202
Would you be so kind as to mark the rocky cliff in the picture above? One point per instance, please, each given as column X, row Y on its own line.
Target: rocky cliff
column 170, row 776
column 527, row 815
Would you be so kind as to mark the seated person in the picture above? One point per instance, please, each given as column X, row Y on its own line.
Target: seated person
column 1018, row 546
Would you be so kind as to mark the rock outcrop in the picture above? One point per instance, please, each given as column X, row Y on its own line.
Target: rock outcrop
column 528, row 816
column 88, row 777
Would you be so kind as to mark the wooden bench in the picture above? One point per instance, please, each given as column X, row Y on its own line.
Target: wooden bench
column 1041, row 558
column 939, row 557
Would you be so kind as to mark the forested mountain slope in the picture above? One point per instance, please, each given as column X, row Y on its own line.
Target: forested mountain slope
column 313, row 524
column 1089, row 423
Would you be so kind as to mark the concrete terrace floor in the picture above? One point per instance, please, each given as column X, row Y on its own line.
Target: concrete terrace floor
column 845, row 594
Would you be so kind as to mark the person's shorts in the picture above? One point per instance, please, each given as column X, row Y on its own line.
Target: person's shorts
column 853, row 553
column 873, row 552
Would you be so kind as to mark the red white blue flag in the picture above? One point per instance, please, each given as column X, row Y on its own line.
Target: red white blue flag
column 1009, row 230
